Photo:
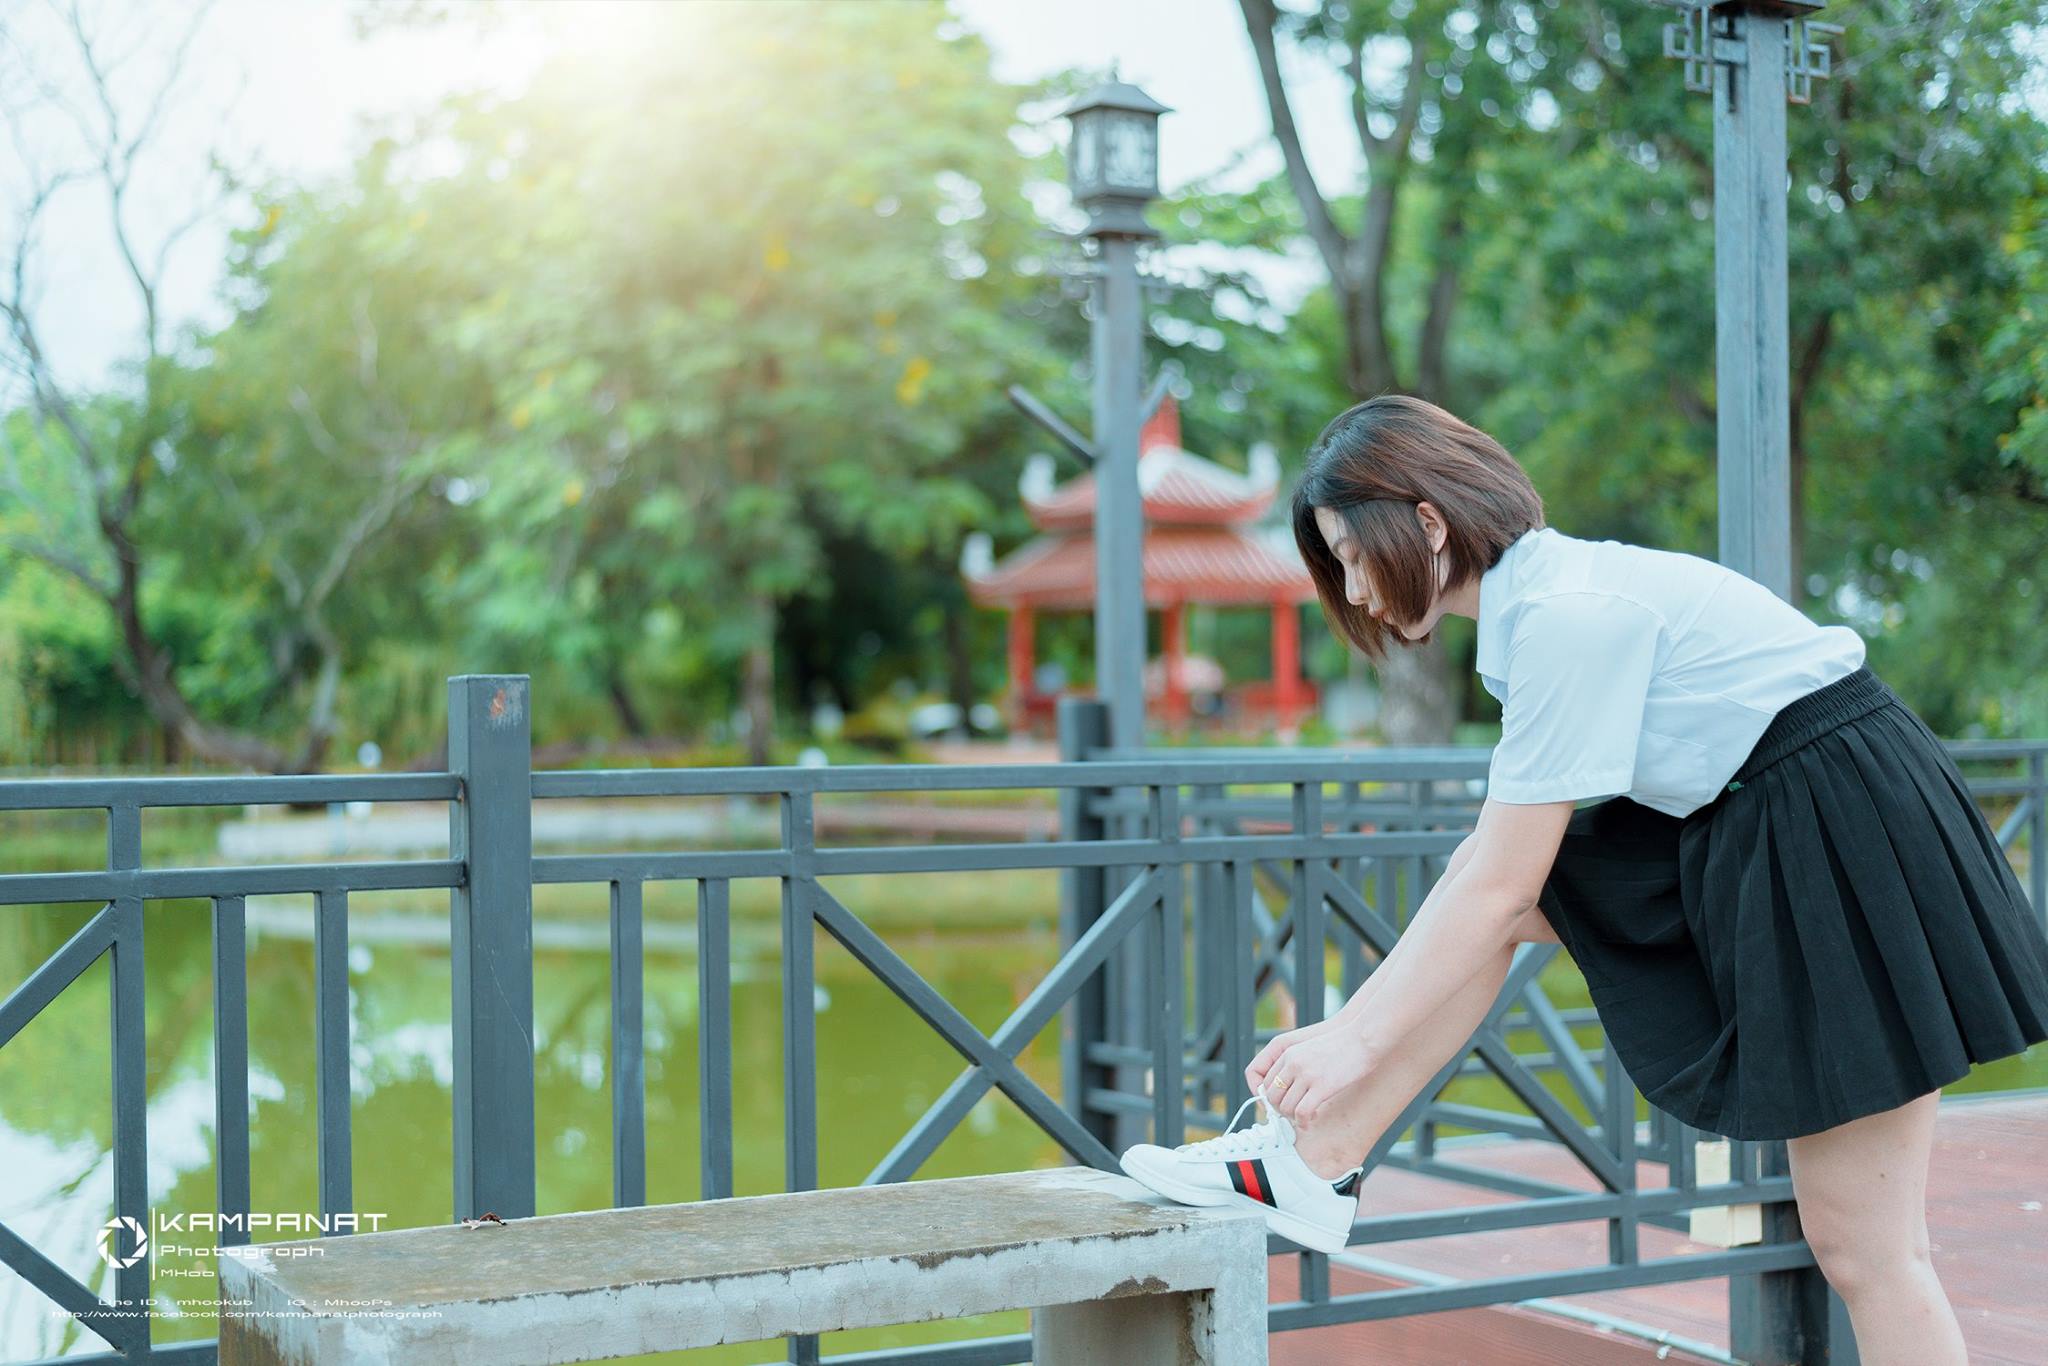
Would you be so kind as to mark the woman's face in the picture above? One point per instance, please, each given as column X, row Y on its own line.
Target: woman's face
column 1358, row 586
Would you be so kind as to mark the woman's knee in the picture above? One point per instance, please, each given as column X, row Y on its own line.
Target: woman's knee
column 1857, row 1251
column 1856, row 1266
column 1862, row 1195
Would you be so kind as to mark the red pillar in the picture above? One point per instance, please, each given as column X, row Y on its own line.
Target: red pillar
column 1022, row 621
column 1286, row 663
column 1174, row 629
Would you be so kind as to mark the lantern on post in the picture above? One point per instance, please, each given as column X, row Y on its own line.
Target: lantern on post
column 1113, row 170
column 1113, row 160
column 1753, row 57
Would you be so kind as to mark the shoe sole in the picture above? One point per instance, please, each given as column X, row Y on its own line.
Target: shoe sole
column 1289, row 1226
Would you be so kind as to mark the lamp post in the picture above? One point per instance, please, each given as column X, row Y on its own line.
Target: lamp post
column 1752, row 56
column 1113, row 169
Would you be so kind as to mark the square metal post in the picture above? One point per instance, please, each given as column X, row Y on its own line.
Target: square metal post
column 490, row 830
column 1083, row 726
column 1754, row 55
column 1119, row 512
column 1787, row 1318
column 1752, row 366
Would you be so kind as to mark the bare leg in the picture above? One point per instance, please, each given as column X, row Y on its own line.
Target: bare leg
column 1862, row 1189
column 1353, row 1120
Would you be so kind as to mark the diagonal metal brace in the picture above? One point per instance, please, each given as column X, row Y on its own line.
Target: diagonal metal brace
column 1045, row 417
column 1035, row 409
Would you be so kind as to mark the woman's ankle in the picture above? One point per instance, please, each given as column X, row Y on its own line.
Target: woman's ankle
column 1326, row 1161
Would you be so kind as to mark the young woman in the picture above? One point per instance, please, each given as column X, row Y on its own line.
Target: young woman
column 1794, row 921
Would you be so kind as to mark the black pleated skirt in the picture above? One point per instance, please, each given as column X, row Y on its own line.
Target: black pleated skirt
column 1835, row 934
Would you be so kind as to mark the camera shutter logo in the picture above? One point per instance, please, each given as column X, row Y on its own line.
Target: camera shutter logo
column 135, row 1229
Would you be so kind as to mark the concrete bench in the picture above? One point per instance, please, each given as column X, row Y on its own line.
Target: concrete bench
column 1111, row 1271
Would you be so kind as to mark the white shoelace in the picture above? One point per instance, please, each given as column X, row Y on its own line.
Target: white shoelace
column 1236, row 1142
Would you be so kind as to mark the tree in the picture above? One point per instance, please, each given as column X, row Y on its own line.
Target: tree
column 316, row 432
column 1435, row 87
column 1909, row 171
column 1561, row 258
column 123, row 491
column 740, row 323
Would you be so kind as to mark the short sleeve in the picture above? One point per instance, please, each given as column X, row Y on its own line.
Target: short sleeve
column 1579, row 666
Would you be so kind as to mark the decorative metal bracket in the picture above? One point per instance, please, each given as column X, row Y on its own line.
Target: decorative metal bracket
column 1690, row 38
column 1809, row 57
column 1697, row 40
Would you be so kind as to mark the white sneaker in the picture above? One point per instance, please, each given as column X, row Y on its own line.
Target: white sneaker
column 1256, row 1167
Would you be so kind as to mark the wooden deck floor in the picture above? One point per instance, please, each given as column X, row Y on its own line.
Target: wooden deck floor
column 1987, row 1189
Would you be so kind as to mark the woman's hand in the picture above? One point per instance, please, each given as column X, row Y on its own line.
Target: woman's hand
column 1315, row 1069
column 1262, row 1066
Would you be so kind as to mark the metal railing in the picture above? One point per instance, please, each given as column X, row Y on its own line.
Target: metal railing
column 1252, row 863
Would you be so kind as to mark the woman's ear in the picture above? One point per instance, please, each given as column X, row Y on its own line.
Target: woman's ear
column 1434, row 530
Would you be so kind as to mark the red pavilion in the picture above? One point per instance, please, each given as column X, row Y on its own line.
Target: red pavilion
column 1201, row 546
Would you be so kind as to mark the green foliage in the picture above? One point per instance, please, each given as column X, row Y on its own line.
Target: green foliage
column 1580, row 171
column 731, row 328
column 684, row 352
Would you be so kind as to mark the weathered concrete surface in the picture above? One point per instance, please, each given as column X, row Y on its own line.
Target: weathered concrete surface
column 1218, row 1327
column 583, row 1287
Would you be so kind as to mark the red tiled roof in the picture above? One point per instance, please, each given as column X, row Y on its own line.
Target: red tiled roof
column 1178, row 487
column 1181, row 564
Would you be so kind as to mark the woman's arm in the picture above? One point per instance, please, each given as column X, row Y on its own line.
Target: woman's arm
column 1467, row 915
column 1460, row 856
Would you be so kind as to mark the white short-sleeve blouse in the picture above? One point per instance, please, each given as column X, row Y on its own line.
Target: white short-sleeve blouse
column 1623, row 669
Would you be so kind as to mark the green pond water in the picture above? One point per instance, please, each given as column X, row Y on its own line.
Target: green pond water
column 982, row 941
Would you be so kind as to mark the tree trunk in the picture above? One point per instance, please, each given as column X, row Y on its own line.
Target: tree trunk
column 1806, row 370
column 1418, row 701
column 160, row 693
column 960, row 658
column 758, row 684
column 1418, row 705
column 1798, row 463
column 629, row 716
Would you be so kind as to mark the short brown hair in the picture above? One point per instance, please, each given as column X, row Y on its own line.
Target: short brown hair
column 1371, row 466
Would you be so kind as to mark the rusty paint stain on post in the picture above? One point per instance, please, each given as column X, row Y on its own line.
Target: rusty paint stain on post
column 507, row 706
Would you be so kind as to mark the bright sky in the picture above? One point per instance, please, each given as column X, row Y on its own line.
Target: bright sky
column 308, row 85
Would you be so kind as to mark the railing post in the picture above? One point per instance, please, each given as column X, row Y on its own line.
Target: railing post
column 1213, row 953
column 1785, row 1318
column 1084, row 725
column 490, row 830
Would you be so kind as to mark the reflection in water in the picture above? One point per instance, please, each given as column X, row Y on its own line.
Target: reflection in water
column 879, row 1067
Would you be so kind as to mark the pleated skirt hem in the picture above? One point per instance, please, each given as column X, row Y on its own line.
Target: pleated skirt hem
column 1834, row 937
